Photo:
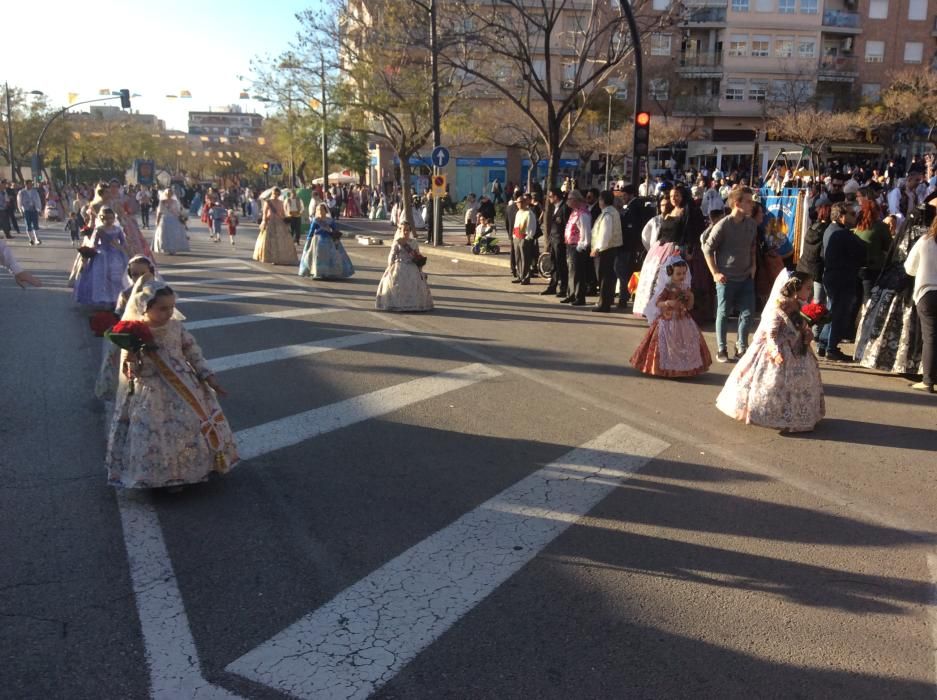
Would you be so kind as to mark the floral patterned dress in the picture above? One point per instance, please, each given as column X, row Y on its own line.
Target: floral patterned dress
column 168, row 428
column 673, row 346
column 403, row 286
column 777, row 382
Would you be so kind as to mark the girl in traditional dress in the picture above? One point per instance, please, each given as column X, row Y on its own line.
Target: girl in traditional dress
column 101, row 277
column 274, row 244
column 324, row 256
column 777, row 382
column 168, row 428
column 171, row 236
column 403, row 286
column 116, row 200
column 105, row 387
column 680, row 229
column 673, row 346
column 351, row 205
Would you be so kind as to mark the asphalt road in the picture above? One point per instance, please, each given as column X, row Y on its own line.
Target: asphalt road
column 480, row 502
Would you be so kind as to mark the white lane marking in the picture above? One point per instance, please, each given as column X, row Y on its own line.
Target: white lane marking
column 241, row 295
column 365, row 635
column 261, row 439
column 286, row 352
column 170, row 650
column 227, row 280
column 193, row 270
column 183, row 262
column 255, row 318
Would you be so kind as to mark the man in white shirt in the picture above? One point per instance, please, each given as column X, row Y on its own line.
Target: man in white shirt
column 30, row 205
column 712, row 200
column 145, row 202
column 314, row 201
column 523, row 236
column 606, row 240
column 904, row 198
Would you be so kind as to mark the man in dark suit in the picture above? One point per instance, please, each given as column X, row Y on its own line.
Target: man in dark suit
column 634, row 215
column 555, row 226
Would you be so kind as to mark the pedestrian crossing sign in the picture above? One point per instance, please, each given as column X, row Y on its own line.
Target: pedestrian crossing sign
column 439, row 185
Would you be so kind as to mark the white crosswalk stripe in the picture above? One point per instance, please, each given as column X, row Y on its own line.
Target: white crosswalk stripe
column 288, row 352
column 255, row 318
column 245, row 296
column 364, row 636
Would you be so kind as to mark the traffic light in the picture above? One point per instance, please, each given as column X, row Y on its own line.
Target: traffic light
column 642, row 134
column 266, row 167
column 125, row 99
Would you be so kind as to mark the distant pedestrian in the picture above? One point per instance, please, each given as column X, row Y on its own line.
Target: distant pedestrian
column 145, row 203
column 73, row 226
column 922, row 265
column 497, row 195
column 30, row 205
column 216, row 216
column 232, row 221
column 471, row 219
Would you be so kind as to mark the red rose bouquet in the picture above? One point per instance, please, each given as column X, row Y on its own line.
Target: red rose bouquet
column 103, row 321
column 132, row 336
column 419, row 260
column 815, row 314
column 87, row 252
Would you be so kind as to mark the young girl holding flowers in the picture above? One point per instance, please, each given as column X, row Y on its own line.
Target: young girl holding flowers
column 101, row 275
column 777, row 383
column 168, row 428
column 673, row 346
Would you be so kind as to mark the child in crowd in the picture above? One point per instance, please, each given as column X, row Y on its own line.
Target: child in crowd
column 73, row 226
column 777, row 382
column 105, row 387
column 471, row 219
column 168, row 428
column 216, row 216
column 232, row 221
column 673, row 346
column 101, row 277
column 484, row 231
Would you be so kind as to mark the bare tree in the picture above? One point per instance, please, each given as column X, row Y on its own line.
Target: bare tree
column 546, row 57
column 813, row 129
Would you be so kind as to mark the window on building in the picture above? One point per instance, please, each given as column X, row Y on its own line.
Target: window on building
column 761, row 45
column 871, row 92
column 659, row 89
column 787, row 7
column 661, row 5
column 540, row 68
column 735, row 90
column 738, row 45
column 764, row 5
column 758, row 91
column 806, row 48
column 917, row 9
column 740, row 5
column 878, row 9
column 660, row 44
column 913, row 52
column 808, row 7
column 874, row 51
column 784, row 46
column 569, row 71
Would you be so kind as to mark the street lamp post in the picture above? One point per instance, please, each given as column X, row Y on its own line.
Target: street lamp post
column 325, row 141
column 12, row 158
column 611, row 90
column 437, row 128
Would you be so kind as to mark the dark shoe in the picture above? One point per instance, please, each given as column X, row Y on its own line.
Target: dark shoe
column 563, row 293
column 515, row 281
column 622, row 303
column 836, row 355
column 601, row 309
column 821, row 352
column 525, row 281
column 548, row 291
column 738, row 354
column 566, row 300
column 577, row 302
column 722, row 356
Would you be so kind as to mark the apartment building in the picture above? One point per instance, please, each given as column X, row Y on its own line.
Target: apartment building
column 730, row 63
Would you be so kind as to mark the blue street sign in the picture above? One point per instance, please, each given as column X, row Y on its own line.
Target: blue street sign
column 440, row 156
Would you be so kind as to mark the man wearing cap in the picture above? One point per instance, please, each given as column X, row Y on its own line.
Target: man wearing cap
column 30, row 204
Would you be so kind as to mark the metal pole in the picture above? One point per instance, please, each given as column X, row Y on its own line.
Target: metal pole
column 65, row 128
column 437, row 129
column 638, row 80
column 10, row 135
column 289, row 121
column 325, row 142
column 608, row 134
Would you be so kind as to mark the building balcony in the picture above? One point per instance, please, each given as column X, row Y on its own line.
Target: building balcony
column 838, row 69
column 695, row 105
column 705, row 16
column 841, row 22
column 700, row 65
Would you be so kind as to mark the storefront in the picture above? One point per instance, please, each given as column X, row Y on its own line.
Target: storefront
column 475, row 175
column 569, row 167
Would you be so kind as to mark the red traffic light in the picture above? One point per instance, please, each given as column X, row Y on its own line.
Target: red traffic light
column 642, row 118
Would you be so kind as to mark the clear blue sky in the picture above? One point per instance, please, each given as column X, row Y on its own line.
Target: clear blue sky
column 154, row 49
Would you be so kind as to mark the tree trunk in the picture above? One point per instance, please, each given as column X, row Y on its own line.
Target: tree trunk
column 406, row 191
column 553, row 166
